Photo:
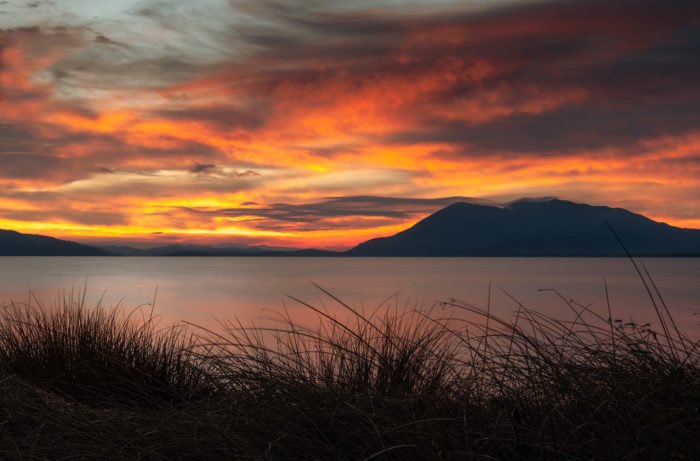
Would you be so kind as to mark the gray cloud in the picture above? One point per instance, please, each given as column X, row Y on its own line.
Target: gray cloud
column 633, row 61
column 225, row 117
column 287, row 215
column 81, row 217
column 563, row 131
column 202, row 168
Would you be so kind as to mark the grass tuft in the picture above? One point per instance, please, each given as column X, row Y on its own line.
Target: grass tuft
column 99, row 356
column 454, row 381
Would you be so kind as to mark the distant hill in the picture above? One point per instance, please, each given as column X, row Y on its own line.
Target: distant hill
column 214, row 252
column 527, row 227
column 16, row 244
column 167, row 250
column 204, row 250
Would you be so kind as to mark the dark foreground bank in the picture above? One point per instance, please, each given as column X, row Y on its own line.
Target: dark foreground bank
column 453, row 382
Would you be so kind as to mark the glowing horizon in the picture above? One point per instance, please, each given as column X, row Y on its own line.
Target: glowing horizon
column 325, row 125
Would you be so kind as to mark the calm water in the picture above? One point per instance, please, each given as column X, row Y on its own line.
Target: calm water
column 203, row 289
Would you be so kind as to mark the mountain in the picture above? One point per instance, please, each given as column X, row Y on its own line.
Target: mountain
column 224, row 252
column 166, row 250
column 525, row 227
column 15, row 244
column 533, row 227
column 205, row 250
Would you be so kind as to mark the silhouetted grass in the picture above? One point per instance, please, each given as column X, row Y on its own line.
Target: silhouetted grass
column 451, row 382
column 98, row 355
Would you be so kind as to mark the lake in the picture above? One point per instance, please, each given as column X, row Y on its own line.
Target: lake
column 201, row 290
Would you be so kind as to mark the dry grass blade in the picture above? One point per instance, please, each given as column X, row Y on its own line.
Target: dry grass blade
column 451, row 382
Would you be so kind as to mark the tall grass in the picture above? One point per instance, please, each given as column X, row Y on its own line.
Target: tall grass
column 454, row 381
column 98, row 355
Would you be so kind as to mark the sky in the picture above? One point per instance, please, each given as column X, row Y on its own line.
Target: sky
column 325, row 123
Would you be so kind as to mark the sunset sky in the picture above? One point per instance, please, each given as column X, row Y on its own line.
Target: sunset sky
column 325, row 123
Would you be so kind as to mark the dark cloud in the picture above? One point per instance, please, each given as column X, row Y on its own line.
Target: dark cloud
column 333, row 207
column 17, row 138
column 2, row 47
column 563, row 131
column 99, row 38
column 80, row 217
column 556, row 77
column 25, row 153
column 39, row 167
column 495, row 79
column 224, row 117
column 202, row 168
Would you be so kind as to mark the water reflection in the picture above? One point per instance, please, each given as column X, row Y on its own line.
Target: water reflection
column 201, row 290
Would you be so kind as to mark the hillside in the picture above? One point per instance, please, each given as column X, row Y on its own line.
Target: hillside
column 525, row 227
column 16, row 244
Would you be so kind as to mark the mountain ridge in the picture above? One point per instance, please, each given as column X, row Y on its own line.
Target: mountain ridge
column 533, row 227
column 13, row 243
column 528, row 227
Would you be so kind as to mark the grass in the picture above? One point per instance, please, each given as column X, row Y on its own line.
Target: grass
column 99, row 355
column 451, row 382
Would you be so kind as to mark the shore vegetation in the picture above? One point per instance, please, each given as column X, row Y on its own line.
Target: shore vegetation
column 454, row 381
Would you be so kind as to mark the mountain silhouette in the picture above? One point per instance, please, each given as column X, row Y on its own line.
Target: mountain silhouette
column 533, row 227
column 525, row 227
column 15, row 244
